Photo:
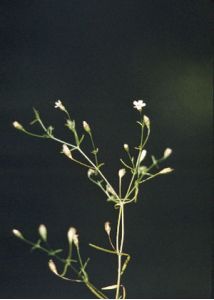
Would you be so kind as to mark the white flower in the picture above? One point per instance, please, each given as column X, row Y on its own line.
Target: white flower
column 139, row 104
column 43, row 232
column 17, row 125
column 166, row 170
column 71, row 234
column 167, row 152
column 66, row 151
column 58, row 104
column 143, row 155
column 121, row 173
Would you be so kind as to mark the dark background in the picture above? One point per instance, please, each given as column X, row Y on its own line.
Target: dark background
column 98, row 56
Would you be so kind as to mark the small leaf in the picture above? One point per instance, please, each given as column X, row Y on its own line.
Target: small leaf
column 36, row 245
column 54, row 252
column 95, row 151
column 127, row 166
column 81, row 139
column 154, row 161
column 100, row 165
column 141, row 124
column 36, row 112
column 33, row 122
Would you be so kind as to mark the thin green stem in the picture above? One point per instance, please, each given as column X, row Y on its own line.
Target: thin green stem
column 98, row 170
column 120, row 184
column 119, row 246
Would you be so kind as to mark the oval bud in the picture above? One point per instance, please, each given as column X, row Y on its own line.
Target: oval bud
column 146, row 121
column 76, row 240
column 52, row 267
column 166, row 170
column 66, row 151
column 17, row 125
column 121, row 173
column 17, row 233
column 143, row 155
column 43, row 232
column 126, row 147
column 107, row 227
column 86, row 126
column 167, row 152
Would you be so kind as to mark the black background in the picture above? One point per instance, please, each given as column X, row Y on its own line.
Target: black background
column 97, row 57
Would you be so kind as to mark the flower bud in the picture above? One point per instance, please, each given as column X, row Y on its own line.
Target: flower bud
column 43, row 232
column 17, row 233
column 121, row 173
column 66, row 151
column 86, row 127
column 70, row 124
column 91, row 172
column 110, row 190
column 146, row 121
column 143, row 155
column 107, row 227
column 52, row 267
column 167, row 152
column 71, row 233
column 17, row 125
column 126, row 147
column 76, row 240
column 166, row 170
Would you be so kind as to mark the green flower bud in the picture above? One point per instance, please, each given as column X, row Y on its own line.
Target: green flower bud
column 146, row 121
